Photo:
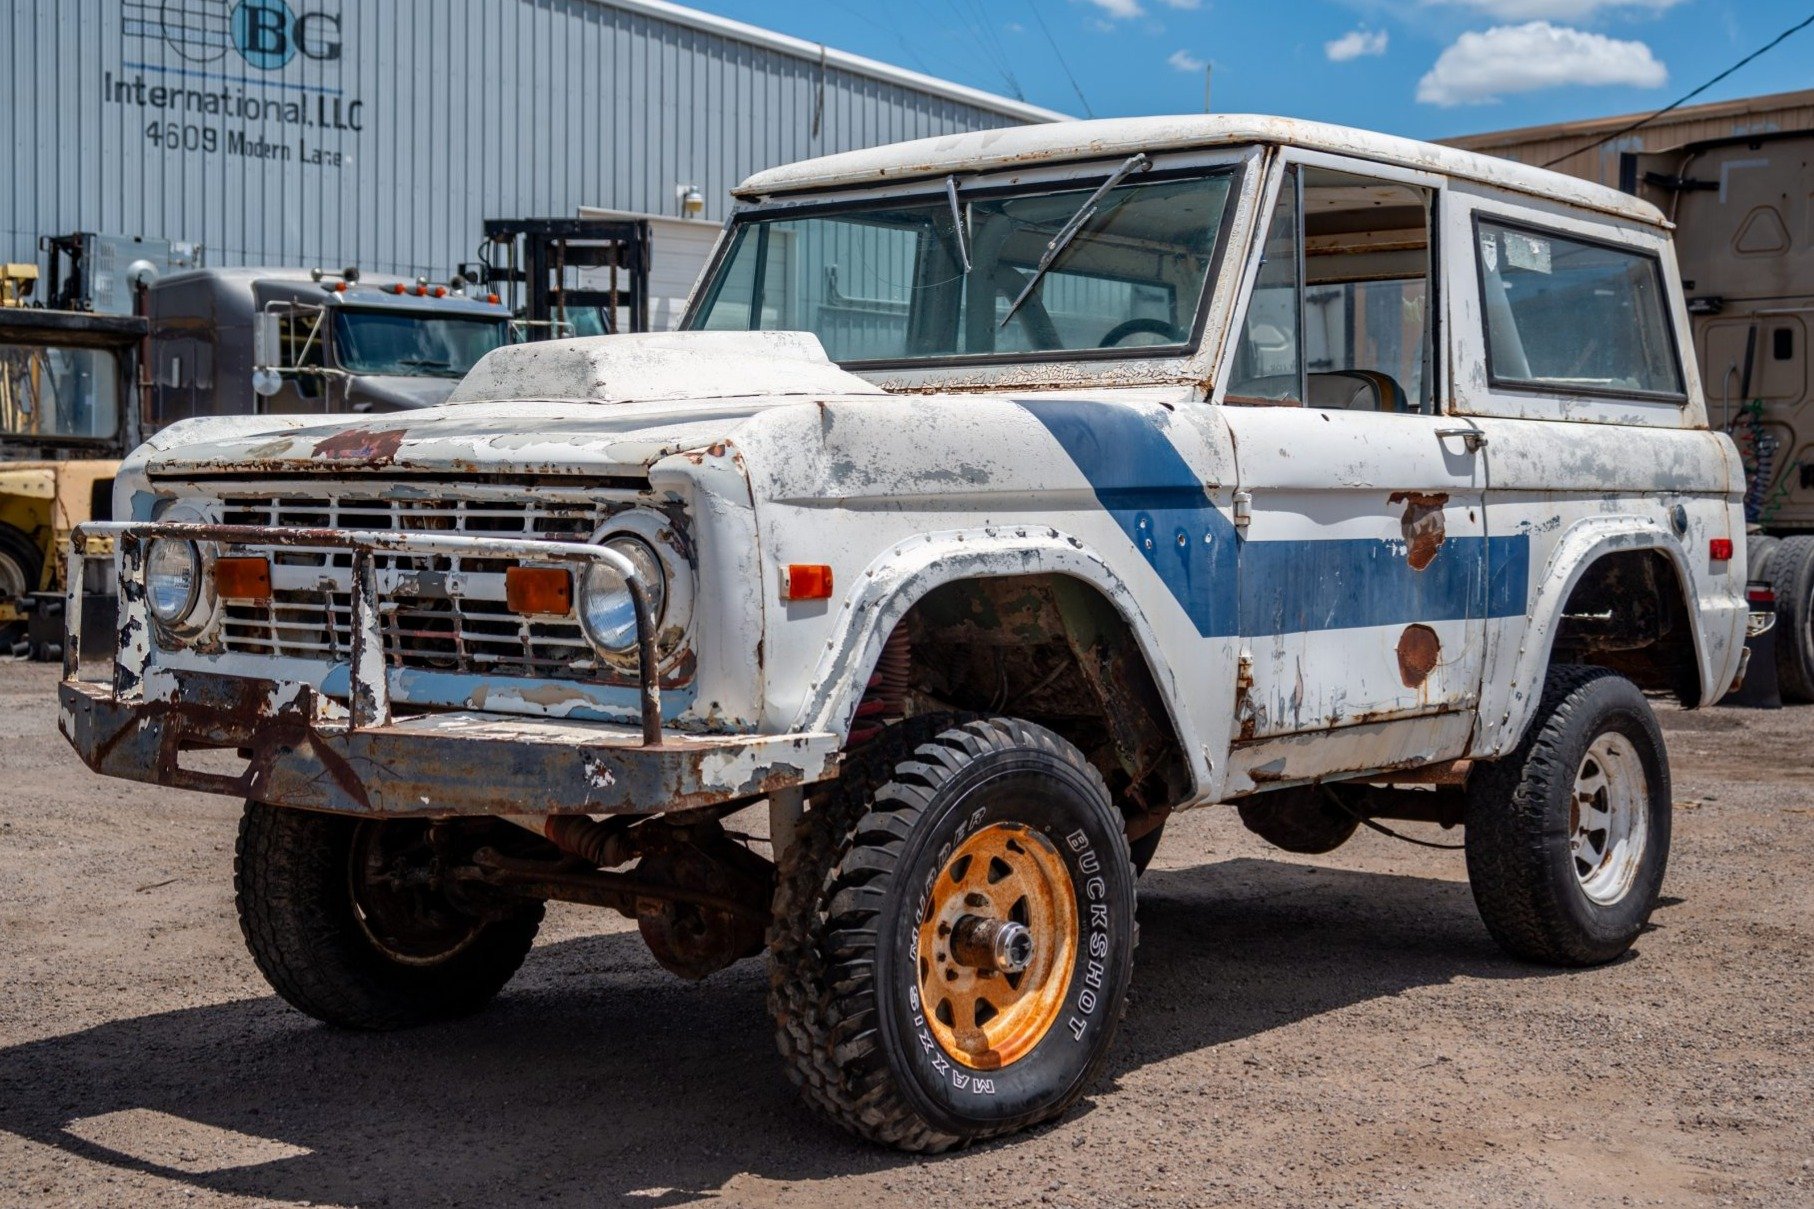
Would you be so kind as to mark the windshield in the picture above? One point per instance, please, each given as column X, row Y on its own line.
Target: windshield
column 886, row 281
column 58, row 393
column 417, row 346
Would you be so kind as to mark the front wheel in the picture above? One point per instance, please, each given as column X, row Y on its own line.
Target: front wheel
column 348, row 921
column 1568, row 837
column 953, row 936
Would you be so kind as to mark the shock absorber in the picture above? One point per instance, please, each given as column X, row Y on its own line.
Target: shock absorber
column 885, row 696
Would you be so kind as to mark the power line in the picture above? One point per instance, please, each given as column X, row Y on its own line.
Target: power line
column 1683, row 100
column 1075, row 86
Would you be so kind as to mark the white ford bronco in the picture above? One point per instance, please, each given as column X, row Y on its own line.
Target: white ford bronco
column 1005, row 493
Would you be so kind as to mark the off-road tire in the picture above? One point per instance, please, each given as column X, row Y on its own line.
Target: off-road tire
column 841, row 976
column 291, row 873
column 1518, row 816
column 1792, row 578
column 21, row 559
column 1302, row 819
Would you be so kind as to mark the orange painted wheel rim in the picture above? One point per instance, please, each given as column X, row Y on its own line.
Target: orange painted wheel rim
column 985, row 1018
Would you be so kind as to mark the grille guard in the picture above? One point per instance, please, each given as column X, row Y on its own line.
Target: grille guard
column 369, row 700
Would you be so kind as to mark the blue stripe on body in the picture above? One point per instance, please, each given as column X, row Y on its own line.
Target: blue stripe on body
column 1280, row 587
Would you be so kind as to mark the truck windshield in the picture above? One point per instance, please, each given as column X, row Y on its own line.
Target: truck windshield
column 413, row 345
column 886, row 282
column 58, row 393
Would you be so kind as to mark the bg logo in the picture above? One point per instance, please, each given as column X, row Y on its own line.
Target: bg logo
column 267, row 34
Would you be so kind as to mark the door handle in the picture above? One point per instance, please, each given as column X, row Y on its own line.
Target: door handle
column 1473, row 438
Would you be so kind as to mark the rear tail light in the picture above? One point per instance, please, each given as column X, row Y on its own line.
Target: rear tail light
column 1720, row 549
column 1760, row 596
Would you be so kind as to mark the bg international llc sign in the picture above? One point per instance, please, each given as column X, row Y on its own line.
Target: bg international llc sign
column 214, row 76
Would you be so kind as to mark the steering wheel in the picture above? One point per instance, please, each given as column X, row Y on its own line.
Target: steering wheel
column 1152, row 327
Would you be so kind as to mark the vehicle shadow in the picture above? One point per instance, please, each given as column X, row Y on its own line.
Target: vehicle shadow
column 598, row 1078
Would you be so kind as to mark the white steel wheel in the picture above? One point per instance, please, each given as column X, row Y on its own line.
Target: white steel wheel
column 1609, row 822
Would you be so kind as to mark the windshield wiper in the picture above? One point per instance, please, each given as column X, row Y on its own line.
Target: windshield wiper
column 957, row 223
column 425, row 363
column 1136, row 162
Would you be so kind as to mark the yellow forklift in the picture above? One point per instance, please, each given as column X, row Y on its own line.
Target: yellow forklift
column 68, row 413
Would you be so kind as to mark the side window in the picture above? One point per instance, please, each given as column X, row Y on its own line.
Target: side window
column 1340, row 316
column 302, row 349
column 1575, row 316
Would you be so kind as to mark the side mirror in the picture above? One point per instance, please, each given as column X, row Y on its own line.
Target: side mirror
column 267, row 354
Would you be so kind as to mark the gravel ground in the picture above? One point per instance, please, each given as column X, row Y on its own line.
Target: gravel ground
column 1302, row 1032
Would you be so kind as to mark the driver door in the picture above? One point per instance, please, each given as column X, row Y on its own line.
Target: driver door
column 1363, row 565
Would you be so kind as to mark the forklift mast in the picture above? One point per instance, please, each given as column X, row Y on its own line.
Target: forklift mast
column 558, row 273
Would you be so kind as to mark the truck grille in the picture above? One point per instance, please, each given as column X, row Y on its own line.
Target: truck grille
column 437, row 613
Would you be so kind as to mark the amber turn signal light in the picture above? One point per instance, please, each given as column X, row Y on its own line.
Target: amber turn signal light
column 538, row 590
column 1720, row 549
column 806, row 581
column 243, row 578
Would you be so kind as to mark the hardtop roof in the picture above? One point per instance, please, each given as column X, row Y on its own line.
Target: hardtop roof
column 1059, row 142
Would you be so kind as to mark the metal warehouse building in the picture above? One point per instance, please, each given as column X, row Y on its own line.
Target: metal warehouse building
column 382, row 132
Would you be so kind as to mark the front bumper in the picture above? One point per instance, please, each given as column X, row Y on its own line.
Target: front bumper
column 306, row 750
column 429, row 765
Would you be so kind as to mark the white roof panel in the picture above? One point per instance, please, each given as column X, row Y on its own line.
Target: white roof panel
column 987, row 150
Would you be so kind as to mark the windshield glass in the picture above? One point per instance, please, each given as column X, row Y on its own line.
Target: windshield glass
column 885, row 281
column 58, row 393
column 417, row 346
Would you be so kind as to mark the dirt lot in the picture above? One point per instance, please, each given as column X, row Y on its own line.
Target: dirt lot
column 1302, row 1033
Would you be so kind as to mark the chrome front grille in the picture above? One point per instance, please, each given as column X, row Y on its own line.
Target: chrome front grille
column 436, row 613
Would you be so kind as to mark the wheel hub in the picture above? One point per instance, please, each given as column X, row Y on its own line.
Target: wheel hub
column 1609, row 819
column 997, row 940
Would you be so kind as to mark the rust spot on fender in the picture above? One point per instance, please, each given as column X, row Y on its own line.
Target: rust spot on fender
column 361, row 445
column 1419, row 650
column 1423, row 525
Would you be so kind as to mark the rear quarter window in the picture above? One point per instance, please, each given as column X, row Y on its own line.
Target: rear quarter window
column 1574, row 316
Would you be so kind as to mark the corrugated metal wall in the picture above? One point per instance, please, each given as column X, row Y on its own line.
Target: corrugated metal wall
column 381, row 132
column 1540, row 144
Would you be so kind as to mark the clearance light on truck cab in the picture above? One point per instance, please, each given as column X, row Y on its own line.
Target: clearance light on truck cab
column 539, row 590
column 1720, row 549
column 806, row 581
column 243, row 578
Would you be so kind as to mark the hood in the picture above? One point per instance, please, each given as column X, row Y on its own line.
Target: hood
column 396, row 392
column 600, row 405
column 532, row 437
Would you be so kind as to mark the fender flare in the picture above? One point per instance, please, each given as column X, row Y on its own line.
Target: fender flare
column 1584, row 544
column 900, row 576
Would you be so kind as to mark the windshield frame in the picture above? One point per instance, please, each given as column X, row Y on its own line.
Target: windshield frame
column 1130, row 364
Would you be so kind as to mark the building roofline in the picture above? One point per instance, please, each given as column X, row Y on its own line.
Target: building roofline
column 816, row 52
column 1590, row 126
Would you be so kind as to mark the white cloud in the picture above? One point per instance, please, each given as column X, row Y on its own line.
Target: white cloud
column 1189, row 6
column 1120, row 10
column 1482, row 67
column 1563, row 10
column 1183, row 60
column 1355, row 44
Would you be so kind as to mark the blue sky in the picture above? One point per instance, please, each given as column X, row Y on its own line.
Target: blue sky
column 1424, row 68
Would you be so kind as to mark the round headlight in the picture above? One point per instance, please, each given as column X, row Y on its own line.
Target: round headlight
column 173, row 579
column 606, row 609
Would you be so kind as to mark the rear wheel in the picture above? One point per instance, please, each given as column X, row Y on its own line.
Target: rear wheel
column 1792, row 577
column 953, row 936
column 349, row 922
column 21, row 572
column 1568, row 837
